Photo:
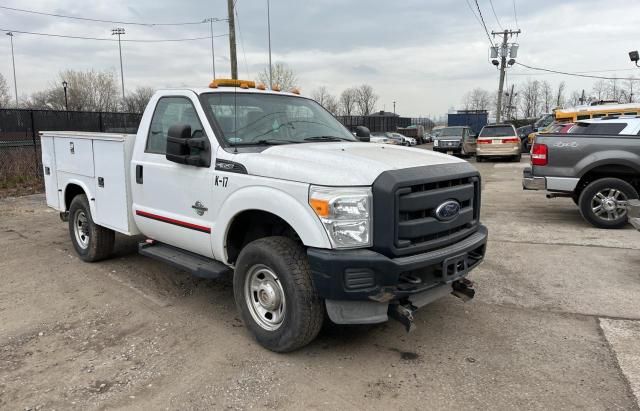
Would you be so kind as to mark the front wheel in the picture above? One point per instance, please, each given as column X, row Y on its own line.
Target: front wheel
column 603, row 203
column 91, row 241
column 275, row 295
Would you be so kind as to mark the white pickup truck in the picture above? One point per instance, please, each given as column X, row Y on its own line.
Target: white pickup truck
column 270, row 187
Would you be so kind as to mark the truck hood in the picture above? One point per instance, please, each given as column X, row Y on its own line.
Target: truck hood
column 335, row 164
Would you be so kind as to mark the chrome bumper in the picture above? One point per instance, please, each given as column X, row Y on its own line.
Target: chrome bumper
column 634, row 213
column 529, row 182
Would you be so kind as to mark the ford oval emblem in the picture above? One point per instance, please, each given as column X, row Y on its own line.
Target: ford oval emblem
column 448, row 210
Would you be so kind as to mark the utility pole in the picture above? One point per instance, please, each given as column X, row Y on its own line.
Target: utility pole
column 232, row 40
column 502, row 65
column 66, row 101
column 213, row 55
column 510, row 106
column 118, row 31
column 394, row 107
column 269, row 33
column 15, row 84
column 582, row 98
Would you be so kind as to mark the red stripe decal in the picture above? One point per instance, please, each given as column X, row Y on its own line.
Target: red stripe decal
column 174, row 222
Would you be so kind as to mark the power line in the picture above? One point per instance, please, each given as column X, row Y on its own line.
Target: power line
column 473, row 12
column 515, row 15
column 131, row 23
column 495, row 15
column 109, row 39
column 484, row 25
column 576, row 74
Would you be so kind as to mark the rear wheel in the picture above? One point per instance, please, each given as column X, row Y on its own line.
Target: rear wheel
column 603, row 202
column 517, row 159
column 91, row 241
column 275, row 295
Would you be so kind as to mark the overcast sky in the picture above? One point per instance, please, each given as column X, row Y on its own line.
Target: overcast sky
column 425, row 54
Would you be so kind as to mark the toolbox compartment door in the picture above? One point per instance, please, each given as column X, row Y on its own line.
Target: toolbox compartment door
column 111, row 203
column 49, row 172
column 74, row 155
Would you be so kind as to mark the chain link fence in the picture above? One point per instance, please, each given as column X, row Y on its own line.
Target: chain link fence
column 20, row 168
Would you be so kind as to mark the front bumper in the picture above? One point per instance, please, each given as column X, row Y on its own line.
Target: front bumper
column 366, row 275
column 634, row 213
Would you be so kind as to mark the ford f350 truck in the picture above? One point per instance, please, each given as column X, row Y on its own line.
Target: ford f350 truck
column 271, row 188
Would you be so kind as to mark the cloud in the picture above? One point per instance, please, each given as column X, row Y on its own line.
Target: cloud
column 423, row 54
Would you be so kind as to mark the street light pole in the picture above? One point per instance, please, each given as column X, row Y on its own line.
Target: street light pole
column 66, row 102
column 394, row 107
column 13, row 60
column 213, row 55
column 269, row 33
column 118, row 31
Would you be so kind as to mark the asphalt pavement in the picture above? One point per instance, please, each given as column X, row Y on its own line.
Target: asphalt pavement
column 555, row 325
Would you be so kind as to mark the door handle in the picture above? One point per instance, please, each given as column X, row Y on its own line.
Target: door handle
column 139, row 176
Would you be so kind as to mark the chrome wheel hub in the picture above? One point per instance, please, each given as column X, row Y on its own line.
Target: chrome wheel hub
column 609, row 204
column 81, row 229
column 265, row 297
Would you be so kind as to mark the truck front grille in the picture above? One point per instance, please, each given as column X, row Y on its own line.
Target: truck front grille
column 405, row 203
column 416, row 205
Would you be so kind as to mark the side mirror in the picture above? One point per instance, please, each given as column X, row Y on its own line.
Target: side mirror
column 363, row 134
column 182, row 148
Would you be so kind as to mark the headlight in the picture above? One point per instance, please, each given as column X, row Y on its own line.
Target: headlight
column 435, row 143
column 345, row 213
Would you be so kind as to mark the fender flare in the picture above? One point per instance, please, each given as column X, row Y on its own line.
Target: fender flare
column 299, row 216
column 609, row 157
column 87, row 192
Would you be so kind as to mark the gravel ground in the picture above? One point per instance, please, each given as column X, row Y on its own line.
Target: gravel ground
column 554, row 325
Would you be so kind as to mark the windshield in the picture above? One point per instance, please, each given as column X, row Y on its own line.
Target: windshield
column 254, row 118
column 544, row 121
column 451, row 132
column 500, row 131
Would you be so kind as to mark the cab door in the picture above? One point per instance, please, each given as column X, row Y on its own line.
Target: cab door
column 470, row 141
column 171, row 200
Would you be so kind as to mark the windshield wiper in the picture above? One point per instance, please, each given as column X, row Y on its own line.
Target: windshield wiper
column 268, row 142
column 327, row 138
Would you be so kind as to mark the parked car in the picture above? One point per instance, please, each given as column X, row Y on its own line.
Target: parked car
column 385, row 137
column 595, row 165
column 523, row 134
column 555, row 127
column 498, row 140
column 455, row 140
column 309, row 220
column 427, row 138
column 406, row 141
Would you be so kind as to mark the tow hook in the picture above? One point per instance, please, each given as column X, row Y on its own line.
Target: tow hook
column 463, row 289
column 404, row 314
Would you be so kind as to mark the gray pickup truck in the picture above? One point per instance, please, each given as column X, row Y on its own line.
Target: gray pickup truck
column 597, row 164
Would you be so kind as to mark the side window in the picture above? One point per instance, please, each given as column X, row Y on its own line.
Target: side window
column 171, row 111
column 584, row 117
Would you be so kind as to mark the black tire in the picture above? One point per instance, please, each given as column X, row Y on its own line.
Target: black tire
column 588, row 199
column 517, row 159
column 99, row 240
column 303, row 309
column 479, row 159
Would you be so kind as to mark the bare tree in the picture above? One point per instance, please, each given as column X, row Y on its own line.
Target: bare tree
column 560, row 94
column 600, row 90
column 575, row 99
column 366, row 99
column 546, row 94
column 627, row 94
column 332, row 105
column 477, row 99
column 530, row 99
column 136, row 101
column 5, row 97
column 321, row 94
column 348, row 100
column 87, row 91
column 283, row 76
